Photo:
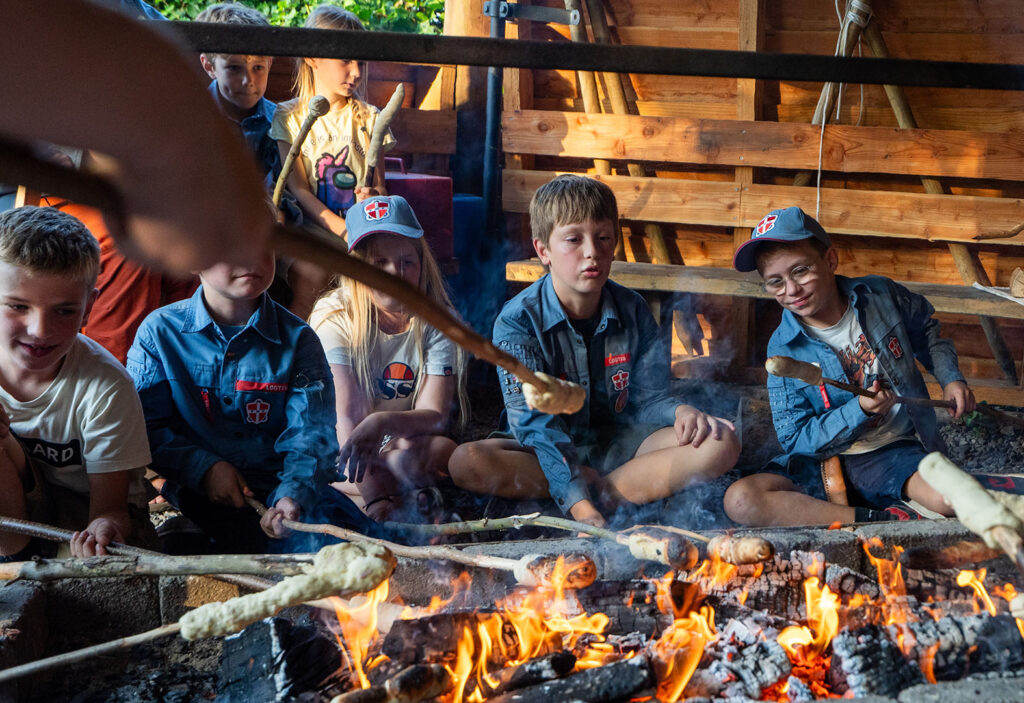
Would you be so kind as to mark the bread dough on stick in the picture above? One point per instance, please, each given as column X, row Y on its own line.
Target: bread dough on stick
column 786, row 367
column 975, row 508
column 1011, row 501
column 559, row 398
column 337, row 570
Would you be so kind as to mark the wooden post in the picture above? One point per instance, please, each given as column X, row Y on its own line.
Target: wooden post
column 466, row 18
column 970, row 268
column 617, row 100
column 748, row 107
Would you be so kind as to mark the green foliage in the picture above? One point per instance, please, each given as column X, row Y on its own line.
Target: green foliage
column 420, row 16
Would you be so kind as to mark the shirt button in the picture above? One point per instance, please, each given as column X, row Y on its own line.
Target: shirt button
column 227, row 400
column 584, row 383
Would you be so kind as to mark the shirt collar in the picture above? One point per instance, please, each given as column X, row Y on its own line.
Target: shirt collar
column 552, row 312
column 264, row 320
column 264, row 111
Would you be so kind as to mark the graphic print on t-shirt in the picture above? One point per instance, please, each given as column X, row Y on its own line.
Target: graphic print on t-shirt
column 855, row 359
column 397, row 381
column 55, row 454
column 335, row 182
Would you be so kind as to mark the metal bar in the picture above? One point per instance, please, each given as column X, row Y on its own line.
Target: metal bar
column 492, row 139
column 479, row 51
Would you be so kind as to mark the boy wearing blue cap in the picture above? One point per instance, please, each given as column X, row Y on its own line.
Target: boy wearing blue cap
column 867, row 331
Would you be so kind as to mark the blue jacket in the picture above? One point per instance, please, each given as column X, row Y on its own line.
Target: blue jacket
column 256, row 130
column 534, row 328
column 900, row 328
column 262, row 400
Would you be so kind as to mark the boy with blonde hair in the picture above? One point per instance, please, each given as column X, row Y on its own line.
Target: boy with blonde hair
column 72, row 433
column 632, row 442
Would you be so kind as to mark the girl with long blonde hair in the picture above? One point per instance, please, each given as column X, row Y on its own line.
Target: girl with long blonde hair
column 396, row 378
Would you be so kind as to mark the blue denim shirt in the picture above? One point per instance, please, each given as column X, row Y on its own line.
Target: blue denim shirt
column 900, row 328
column 262, row 400
column 256, row 130
column 534, row 328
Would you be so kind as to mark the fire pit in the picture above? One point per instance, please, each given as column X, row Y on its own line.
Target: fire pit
column 832, row 615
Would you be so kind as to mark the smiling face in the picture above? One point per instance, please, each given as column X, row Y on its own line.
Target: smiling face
column 40, row 315
column 579, row 256
column 803, row 282
column 241, row 81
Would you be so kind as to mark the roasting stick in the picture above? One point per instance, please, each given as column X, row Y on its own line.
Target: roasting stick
column 380, row 128
column 530, row 570
column 318, row 107
column 975, row 507
column 649, row 542
column 338, row 569
column 542, row 392
column 145, row 565
column 787, row 367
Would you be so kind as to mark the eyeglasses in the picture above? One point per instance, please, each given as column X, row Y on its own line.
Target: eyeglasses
column 798, row 274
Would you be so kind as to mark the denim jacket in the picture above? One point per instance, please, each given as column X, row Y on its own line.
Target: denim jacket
column 900, row 328
column 534, row 328
column 262, row 400
column 256, row 131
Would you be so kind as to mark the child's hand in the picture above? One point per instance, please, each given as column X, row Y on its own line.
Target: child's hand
column 584, row 511
column 693, row 427
column 223, row 484
column 364, row 192
column 285, row 509
column 881, row 403
column 959, row 393
column 362, row 449
column 93, row 540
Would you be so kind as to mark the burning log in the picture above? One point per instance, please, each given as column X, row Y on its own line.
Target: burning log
column 867, row 662
column 974, row 506
column 576, row 570
column 955, row 646
column 416, row 683
column 436, row 638
column 532, row 672
column 952, row 556
column 603, row 684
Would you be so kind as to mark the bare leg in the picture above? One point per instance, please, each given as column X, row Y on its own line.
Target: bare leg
column 407, row 464
column 918, row 489
column 12, row 504
column 763, row 500
column 498, row 467
column 661, row 467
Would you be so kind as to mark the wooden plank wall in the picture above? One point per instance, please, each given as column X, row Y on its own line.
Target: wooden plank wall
column 725, row 151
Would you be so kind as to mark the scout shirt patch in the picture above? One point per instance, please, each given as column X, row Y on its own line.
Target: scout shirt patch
column 616, row 359
column 621, row 400
column 895, row 347
column 620, row 381
column 257, row 411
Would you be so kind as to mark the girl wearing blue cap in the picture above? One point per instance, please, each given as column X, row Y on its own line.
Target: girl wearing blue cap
column 395, row 376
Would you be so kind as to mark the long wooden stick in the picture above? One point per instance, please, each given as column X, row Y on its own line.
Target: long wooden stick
column 62, row 660
column 318, row 106
column 531, row 569
column 145, row 565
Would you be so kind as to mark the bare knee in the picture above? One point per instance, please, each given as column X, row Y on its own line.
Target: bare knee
column 744, row 499
column 726, row 453
column 468, row 466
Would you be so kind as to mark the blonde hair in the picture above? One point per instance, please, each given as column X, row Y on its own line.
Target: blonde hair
column 46, row 240
column 569, row 199
column 351, row 308
column 328, row 17
column 231, row 13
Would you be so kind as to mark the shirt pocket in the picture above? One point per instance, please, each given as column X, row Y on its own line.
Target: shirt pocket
column 261, row 403
column 511, row 385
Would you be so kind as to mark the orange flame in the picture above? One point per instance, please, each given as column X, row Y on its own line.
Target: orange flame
column 974, row 580
column 807, row 644
column 890, row 580
column 1008, row 593
column 358, row 629
column 679, row 650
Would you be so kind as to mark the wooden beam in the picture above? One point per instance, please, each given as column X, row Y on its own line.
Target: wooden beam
column 847, row 149
column 956, row 218
column 716, row 281
column 424, row 131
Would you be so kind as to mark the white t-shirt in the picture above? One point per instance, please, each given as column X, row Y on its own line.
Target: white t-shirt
column 393, row 360
column 88, row 421
column 847, row 340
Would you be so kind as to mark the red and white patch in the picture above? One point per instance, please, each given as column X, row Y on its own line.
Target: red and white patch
column 765, row 225
column 257, row 411
column 377, row 210
column 259, row 386
column 620, row 380
column 621, row 400
column 616, row 359
column 895, row 347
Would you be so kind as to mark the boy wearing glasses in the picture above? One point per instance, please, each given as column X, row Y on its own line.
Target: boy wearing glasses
column 867, row 331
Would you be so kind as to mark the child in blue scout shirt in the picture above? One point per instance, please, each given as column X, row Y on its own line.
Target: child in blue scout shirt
column 868, row 331
column 632, row 442
column 238, row 402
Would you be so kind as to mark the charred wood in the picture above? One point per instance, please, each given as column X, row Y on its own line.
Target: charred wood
column 604, row 684
column 954, row 647
column 436, row 637
column 868, row 663
column 740, row 675
column 532, row 672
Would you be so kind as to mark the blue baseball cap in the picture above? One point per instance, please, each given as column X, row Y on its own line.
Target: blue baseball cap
column 382, row 213
column 789, row 224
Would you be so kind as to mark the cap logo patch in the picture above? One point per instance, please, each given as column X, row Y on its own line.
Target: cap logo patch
column 765, row 225
column 377, row 210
